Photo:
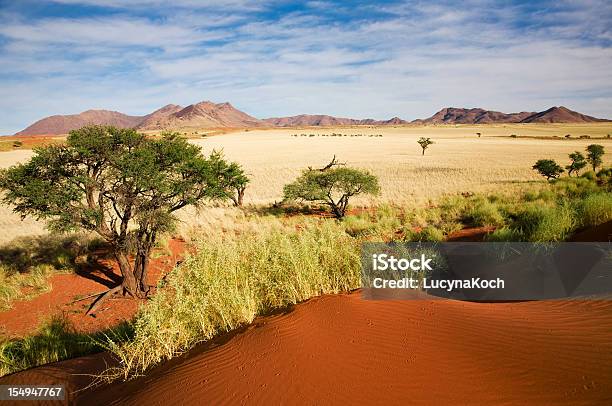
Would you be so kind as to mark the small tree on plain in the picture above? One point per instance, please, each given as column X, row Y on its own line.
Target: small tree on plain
column 424, row 143
column 119, row 184
column 332, row 185
column 595, row 153
column 548, row 168
column 234, row 178
column 577, row 164
column 238, row 181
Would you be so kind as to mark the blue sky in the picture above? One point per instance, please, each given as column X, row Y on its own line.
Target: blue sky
column 275, row 58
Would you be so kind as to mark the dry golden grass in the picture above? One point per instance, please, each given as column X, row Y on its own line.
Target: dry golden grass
column 459, row 161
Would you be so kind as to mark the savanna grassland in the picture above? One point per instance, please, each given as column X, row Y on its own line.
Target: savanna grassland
column 458, row 162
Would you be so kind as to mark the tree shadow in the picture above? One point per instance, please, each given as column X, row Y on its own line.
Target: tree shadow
column 288, row 210
column 98, row 272
column 77, row 253
column 60, row 252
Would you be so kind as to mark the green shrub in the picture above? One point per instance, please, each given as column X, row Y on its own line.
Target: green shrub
column 389, row 219
column 541, row 223
column 547, row 195
column 590, row 175
column 454, row 207
column 604, row 173
column 505, row 234
column 485, row 214
column 604, row 178
column 574, row 187
column 530, row 195
column 358, row 225
column 428, row 233
column 595, row 209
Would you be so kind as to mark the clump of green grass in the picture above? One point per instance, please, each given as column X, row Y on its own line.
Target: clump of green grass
column 229, row 281
column 505, row 234
column 23, row 285
column 56, row 340
column 542, row 224
column 485, row 213
column 429, row 233
column 358, row 226
column 26, row 264
column 595, row 209
column 576, row 188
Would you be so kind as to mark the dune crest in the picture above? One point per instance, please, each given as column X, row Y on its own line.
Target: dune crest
column 345, row 350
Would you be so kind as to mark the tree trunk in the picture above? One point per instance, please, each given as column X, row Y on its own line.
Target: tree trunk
column 129, row 282
column 237, row 198
column 240, row 196
column 141, row 268
column 423, row 151
column 337, row 209
column 146, row 240
column 337, row 213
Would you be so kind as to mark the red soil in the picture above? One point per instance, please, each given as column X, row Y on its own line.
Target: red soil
column 342, row 349
column 472, row 234
column 26, row 315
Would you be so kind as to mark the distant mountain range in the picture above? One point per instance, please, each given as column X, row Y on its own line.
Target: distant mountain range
column 452, row 115
column 207, row 114
column 308, row 120
column 201, row 115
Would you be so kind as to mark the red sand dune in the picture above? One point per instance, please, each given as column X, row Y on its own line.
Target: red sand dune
column 342, row 349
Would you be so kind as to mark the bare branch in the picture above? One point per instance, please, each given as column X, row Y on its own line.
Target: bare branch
column 334, row 162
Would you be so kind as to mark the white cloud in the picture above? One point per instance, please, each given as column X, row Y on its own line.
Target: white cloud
column 421, row 58
column 101, row 32
column 199, row 4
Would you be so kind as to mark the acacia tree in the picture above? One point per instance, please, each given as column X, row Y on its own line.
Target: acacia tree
column 548, row 168
column 119, row 184
column 578, row 163
column 237, row 183
column 424, row 143
column 595, row 152
column 332, row 185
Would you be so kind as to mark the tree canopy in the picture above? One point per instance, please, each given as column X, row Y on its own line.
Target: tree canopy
column 424, row 143
column 333, row 186
column 595, row 153
column 578, row 162
column 548, row 168
column 120, row 184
